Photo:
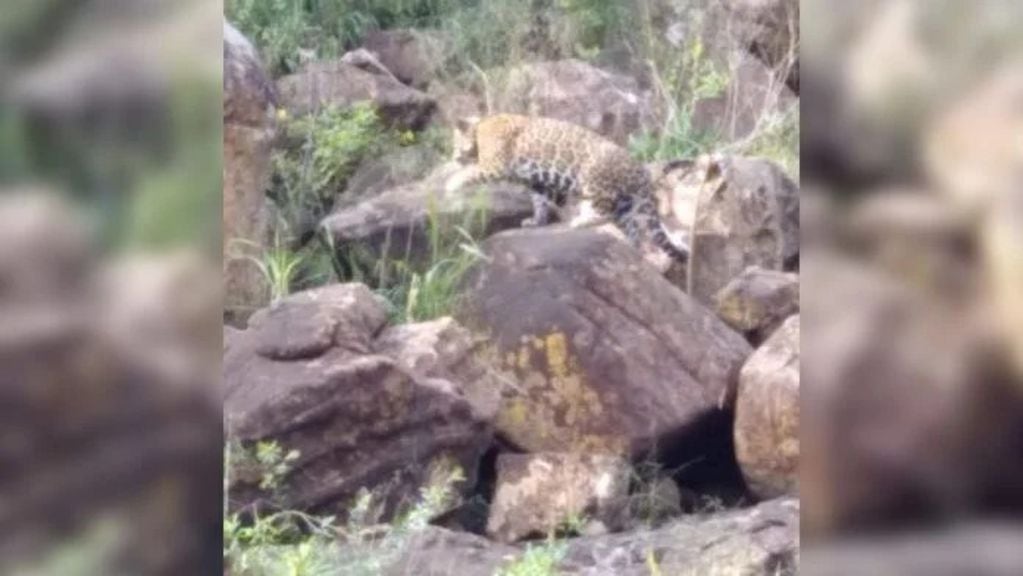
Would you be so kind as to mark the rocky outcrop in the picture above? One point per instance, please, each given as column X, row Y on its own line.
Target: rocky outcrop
column 249, row 129
column 762, row 540
column 538, row 494
column 573, row 91
column 604, row 355
column 310, row 375
column 757, row 301
column 767, row 415
column 394, row 225
column 769, row 29
column 747, row 214
column 321, row 85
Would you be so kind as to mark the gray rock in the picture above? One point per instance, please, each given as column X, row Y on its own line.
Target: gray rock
column 757, row 301
column 609, row 104
column 323, row 84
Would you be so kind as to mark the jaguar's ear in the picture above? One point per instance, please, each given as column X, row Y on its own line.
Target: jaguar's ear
column 466, row 124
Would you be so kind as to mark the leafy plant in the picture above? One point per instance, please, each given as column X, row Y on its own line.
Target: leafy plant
column 539, row 560
column 321, row 152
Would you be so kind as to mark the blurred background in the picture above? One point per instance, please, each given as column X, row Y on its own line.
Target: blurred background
column 110, row 176
column 912, row 214
column 110, row 433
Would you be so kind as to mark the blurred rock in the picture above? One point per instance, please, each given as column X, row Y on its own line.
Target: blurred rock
column 249, row 129
column 571, row 90
column 538, row 494
column 990, row 549
column 747, row 214
column 92, row 428
column 819, row 220
column 971, row 150
column 413, row 56
column 603, row 354
column 769, row 29
column 897, row 401
column 164, row 312
column 110, row 59
column 324, row 84
column 920, row 238
column 757, row 301
column 762, row 540
column 305, row 375
column 767, row 415
column 394, row 225
column 1002, row 242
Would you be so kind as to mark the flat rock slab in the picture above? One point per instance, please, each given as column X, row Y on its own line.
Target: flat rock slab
column 759, row 541
column 395, row 225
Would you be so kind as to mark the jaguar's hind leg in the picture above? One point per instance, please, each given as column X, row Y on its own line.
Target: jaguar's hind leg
column 541, row 211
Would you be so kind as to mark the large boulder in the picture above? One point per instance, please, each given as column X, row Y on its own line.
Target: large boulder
column 747, row 214
column 767, row 415
column 249, row 129
column 757, row 301
column 537, row 494
column 394, row 225
column 414, row 57
column 309, row 375
column 574, row 91
column 601, row 353
column 762, row 540
column 339, row 84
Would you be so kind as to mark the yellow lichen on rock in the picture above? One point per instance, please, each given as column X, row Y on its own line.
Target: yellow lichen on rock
column 554, row 406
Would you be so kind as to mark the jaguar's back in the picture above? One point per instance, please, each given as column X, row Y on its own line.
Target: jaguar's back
column 560, row 160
